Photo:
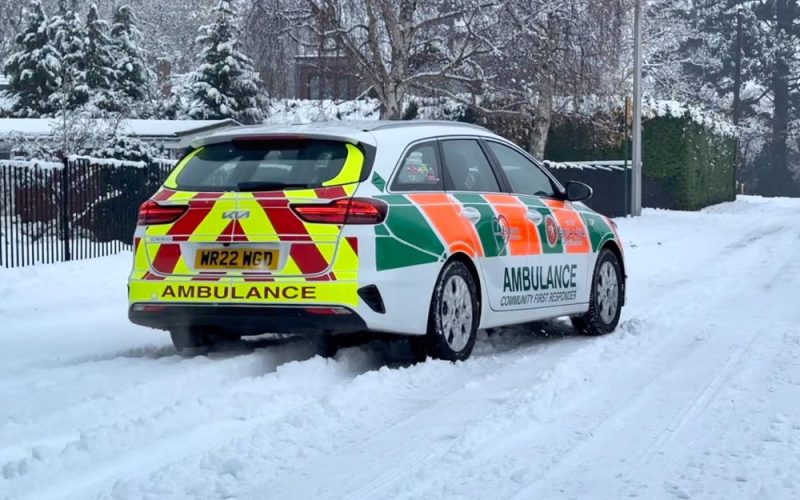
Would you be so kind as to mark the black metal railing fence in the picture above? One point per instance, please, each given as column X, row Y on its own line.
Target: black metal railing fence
column 78, row 209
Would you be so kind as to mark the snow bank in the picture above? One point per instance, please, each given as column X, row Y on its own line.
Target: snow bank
column 299, row 111
column 41, row 164
column 108, row 162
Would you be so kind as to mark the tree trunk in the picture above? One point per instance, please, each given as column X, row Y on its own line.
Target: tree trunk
column 778, row 180
column 543, row 115
column 392, row 103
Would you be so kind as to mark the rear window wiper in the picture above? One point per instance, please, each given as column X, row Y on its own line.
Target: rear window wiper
column 268, row 186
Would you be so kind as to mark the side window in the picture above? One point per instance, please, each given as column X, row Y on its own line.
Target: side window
column 524, row 176
column 420, row 170
column 467, row 166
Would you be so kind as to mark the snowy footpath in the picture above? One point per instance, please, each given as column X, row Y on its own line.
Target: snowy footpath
column 696, row 395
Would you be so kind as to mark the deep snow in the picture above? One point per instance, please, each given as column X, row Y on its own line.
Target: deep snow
column 697, row 395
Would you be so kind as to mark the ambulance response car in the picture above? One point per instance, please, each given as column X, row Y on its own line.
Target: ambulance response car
column 430, row 230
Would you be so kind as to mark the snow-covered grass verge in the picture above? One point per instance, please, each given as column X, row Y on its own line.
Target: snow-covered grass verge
column 695, row 396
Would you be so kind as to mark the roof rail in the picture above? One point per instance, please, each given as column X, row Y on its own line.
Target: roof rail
column 390, row 124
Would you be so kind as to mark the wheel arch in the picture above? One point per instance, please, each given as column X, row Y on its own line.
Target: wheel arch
column 473, row 269
column 613, row 246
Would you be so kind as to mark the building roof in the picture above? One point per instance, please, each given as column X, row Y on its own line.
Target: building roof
column 357, row 131
column 138, row 128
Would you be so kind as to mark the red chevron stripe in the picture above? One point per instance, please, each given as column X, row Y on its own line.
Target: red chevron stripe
column 233, row 232
column 199, row 207
column 167, row 258
column 353, row 242
column 289, row 228
column 329, row 193
column 163, row 195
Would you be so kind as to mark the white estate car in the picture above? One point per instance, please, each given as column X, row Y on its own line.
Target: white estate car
column 430, row 230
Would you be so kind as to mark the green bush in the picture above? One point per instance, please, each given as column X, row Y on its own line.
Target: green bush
column 686, row 166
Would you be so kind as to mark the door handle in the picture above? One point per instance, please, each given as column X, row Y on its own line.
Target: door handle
column 471, row 214
column 535, row 216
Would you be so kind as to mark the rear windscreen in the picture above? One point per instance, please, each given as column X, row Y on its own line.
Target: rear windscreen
column 270, row 165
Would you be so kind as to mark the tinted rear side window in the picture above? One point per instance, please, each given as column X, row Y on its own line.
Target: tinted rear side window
column 420, row 170
column 271, row 165
column 468, row 167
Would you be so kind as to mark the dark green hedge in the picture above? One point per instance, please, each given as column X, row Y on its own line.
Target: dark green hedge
column 686, row 166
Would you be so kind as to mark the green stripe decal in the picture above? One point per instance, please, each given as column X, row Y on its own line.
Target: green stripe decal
column 394, row 254
column 405, row 238
column 537, row 204
column 378, row 181
column 492, row 243
column 599, row 230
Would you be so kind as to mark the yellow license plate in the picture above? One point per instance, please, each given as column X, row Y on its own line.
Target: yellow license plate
column 237, row 258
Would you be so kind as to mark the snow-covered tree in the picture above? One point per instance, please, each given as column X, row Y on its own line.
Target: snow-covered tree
column 225, row 84
column 740, row 58
column 553, row 53
column 134, row 80
column 68, row 38
column 397, row 46
column 34, row 71
column 776, row 57
column 99, row 61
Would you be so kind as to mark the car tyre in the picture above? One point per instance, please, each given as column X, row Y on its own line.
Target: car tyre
column 190, row 342
column 605, row 302
column 453, row 317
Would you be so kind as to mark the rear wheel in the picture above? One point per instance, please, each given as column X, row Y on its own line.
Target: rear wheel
column 605, row 303
column 194, row 341
column 453, row 317
column 189, row 341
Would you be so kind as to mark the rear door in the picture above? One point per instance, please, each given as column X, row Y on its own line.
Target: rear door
column 497, row 217
column 556, row 271
column 242, row 219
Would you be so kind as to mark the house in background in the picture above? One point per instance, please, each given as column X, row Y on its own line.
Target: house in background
column 172, row 135
column 325, row 74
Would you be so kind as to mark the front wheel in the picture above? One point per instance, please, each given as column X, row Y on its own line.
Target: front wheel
column 605, row 303
column 453, row 318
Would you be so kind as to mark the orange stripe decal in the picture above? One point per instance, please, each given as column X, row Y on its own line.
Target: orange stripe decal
column 516, row 213
column 574, row 236
column 445, row 215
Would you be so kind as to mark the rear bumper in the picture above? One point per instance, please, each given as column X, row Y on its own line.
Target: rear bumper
column 248, row 319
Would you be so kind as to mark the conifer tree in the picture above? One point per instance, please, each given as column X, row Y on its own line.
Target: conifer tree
column 133, row 80
column 69, row 41
column 225, row 84
column 99, row 61
column 34, row 72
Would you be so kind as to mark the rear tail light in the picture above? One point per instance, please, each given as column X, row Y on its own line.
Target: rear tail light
column 343, row 211
column 151, row 213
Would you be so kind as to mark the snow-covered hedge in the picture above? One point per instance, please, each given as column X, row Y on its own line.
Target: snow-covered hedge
column 296, row 111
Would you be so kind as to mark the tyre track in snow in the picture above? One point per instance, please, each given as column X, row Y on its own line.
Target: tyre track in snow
column 367, row 445
column 368, row 482
column 477, row 474
column 720, row 354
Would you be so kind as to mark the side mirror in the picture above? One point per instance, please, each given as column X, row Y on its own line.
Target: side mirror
column 578, row 191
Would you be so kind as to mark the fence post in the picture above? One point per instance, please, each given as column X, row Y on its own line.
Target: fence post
column 65, row 207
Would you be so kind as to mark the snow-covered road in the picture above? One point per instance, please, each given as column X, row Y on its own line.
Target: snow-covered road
column 697, row 395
